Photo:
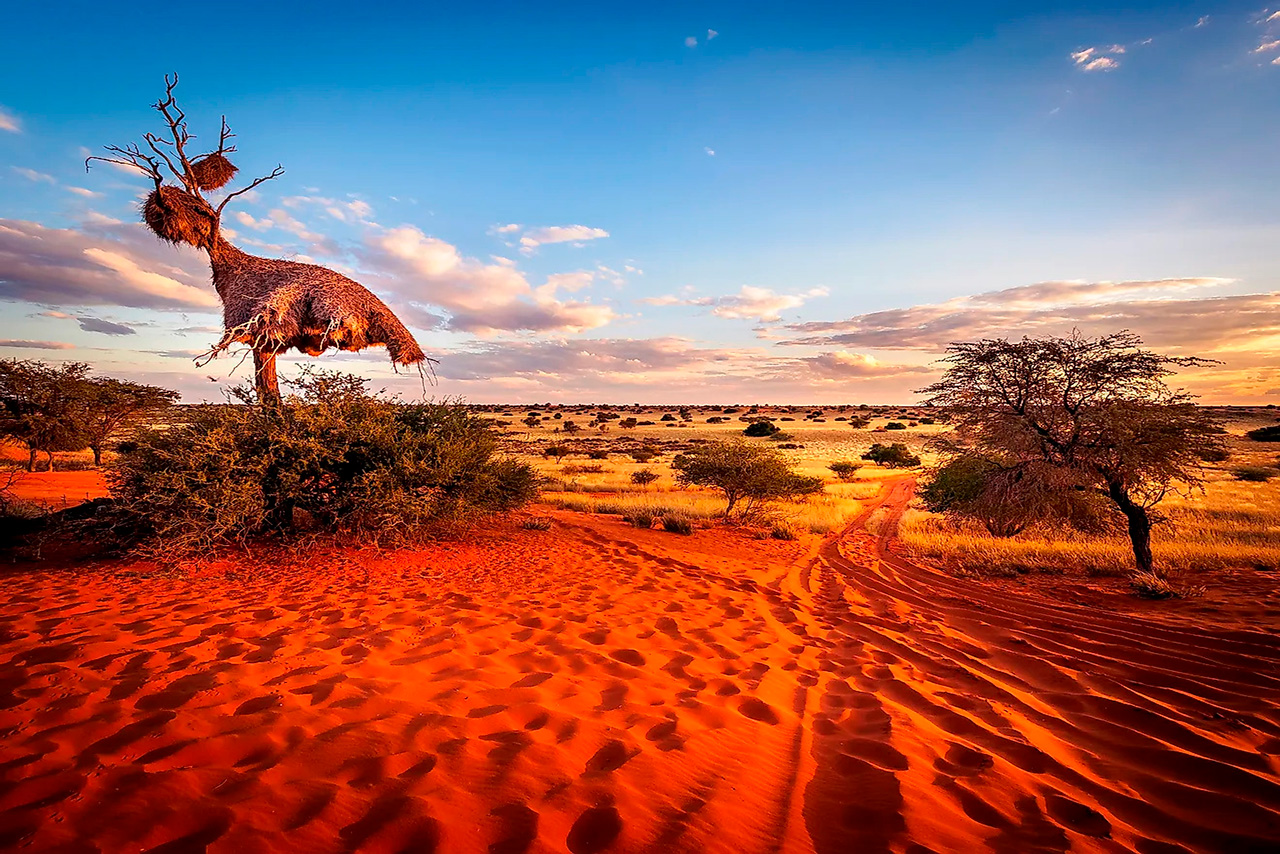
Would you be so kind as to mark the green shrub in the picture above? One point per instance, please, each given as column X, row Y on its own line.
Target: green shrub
column 894, row 456
column 643, row 477
column 758, row 429
column 677, row 524
column 330, row 458
column 844, row 469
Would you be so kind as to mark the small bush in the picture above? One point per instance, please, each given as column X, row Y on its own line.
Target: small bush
column 639, row 519
column 643, row 455
column 757, row 429
column 677, row 524
column 1214, row 455
column 782, row 532
column 844, row 469
column 589, row 469
column 1254, row 474
column 598, row 454
column 536, row 523
column 894, row 456
column 745, row 472
column 1149, row 585
column 895, row 425
column 643, row 477
column 555, row 451
column 1270, row 433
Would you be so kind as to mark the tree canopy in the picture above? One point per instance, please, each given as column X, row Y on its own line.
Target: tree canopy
column 745, row 472
column 1076, row 413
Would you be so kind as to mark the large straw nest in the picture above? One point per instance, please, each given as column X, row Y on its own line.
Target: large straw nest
column 285, row 305
column 179, row 217
column 213, row 171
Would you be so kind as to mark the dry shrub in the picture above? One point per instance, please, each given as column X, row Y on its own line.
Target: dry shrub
column 536, row 523
column 677, row 523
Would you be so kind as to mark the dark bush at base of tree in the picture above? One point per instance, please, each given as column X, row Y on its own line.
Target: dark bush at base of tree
column 893, row 456
column 329, row 459
column 1265, row 434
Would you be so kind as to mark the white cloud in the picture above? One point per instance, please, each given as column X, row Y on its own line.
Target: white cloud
column 691, row 41
column 35, row 345
column 1204, row 19
column 535, row 237
column 505, row 229
column 33, row 175
column 82, row 191
column 1266, row 46
column 9, row 122
column 480, row 298
column 354, row 210
column 1097, row 58
column 711, row 152
column 711, row 34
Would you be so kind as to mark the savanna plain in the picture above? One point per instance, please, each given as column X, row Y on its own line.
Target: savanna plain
column 618, row 667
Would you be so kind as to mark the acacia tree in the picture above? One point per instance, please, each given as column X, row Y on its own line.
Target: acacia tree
column 744, row 472
column 42, row 406
column 111, row 405
column 1087, row 414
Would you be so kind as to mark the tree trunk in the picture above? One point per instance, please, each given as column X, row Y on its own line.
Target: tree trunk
column 265, row 380
column 97, row 455
column 31, row 460
column 50, row 455
column 1139, row 527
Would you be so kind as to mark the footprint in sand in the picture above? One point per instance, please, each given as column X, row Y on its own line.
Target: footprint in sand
column 595, row 830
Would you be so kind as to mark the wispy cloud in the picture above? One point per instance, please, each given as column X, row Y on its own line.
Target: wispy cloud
column 33, row 175
column 9, row 122
column 1098, row 58
column 105, row 327
column 750, row 303
column 535, row 237
column 35, row 345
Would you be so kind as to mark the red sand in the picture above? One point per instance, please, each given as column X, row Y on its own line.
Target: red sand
column 594, row 688
column 59, row 488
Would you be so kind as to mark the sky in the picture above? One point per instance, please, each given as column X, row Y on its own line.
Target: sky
column 701, row 203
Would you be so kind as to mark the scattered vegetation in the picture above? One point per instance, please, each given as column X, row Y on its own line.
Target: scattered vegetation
column 892, row 456
column 744, row 473
column 844, row 469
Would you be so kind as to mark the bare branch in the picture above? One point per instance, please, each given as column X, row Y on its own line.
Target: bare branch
column 132, row 156
column 223, row 136
column 275, row 173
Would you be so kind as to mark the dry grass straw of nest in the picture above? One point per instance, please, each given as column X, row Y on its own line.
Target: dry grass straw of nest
column 213, row 171
column 178, row 217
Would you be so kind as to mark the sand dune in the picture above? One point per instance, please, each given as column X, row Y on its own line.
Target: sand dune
column 597, row 688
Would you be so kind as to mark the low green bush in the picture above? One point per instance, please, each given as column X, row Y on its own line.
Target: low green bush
column 330, row 458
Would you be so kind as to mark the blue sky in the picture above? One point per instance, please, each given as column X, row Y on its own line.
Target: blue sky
column 694, row 202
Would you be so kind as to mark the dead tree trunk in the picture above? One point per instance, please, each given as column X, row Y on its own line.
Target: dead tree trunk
column 266, row 382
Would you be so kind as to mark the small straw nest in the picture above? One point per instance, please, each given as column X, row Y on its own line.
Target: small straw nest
column 179, row 217
column 213, row 171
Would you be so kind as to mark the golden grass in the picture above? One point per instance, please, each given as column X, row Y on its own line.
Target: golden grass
column 1233, row 524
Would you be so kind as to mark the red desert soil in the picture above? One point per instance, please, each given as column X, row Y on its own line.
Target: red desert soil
column 598, row 688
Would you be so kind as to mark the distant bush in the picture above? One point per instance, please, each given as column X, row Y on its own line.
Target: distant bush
column 1254, row 474
column 844, row 469
column 859, row 422
column 556, row 451
column 588, row 469
column 330, row 458
column 643, row 477
column 677, row 524
column 643, row 455
column 893, row 456
column 1270, row 433
column 598, row 454
column 1214, row 455
column 895, row 425
column 757, row 429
